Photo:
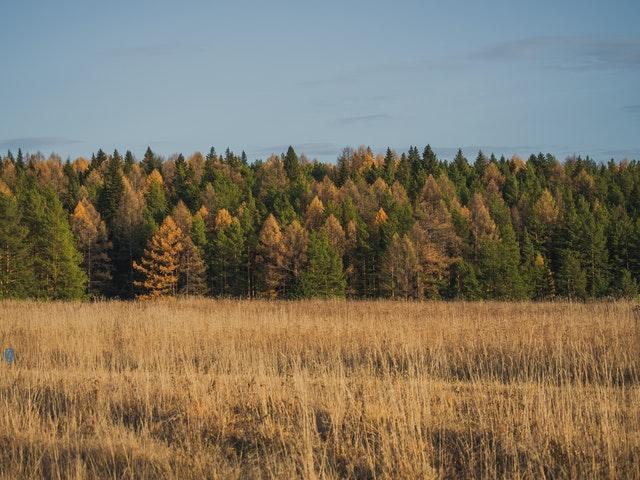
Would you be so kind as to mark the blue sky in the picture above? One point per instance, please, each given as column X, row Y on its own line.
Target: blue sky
column 507, row 76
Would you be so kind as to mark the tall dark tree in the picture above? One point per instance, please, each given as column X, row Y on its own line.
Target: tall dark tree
column 112, row 189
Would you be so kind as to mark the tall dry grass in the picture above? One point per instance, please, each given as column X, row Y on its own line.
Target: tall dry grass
column 232, row 389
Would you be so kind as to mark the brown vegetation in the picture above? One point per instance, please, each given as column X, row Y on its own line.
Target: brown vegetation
column 233, row 389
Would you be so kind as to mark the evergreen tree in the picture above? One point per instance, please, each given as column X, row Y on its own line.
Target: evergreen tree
column 150, row 162
column 324, row 276
column 463, row 283
column 226, row 256
column 112, row 189
column 388, row 168
column 129, row 161
column 291, row 164
column 571, row 279
column 16, row 262
column 56, row 261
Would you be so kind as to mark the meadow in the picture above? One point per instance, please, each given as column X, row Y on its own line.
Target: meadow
column 200, row 388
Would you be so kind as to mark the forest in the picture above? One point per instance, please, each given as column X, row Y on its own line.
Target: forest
column 400, row 225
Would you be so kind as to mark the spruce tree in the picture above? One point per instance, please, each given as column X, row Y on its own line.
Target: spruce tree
column 16, row 262
column 56, row 261
column 324, row 275
column 112, row 189
column 291, row 164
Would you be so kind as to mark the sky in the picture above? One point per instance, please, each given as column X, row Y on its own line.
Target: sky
column 507, row 77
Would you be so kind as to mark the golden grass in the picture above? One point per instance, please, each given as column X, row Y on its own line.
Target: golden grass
column 239, row 389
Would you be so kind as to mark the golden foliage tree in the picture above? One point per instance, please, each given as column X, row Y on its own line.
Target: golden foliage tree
column 482, row 225
column 315, row 214
column 401, row 269
column 93, row 242
column 270, row 258
column 160, row 264
column 335, row 233
column 296, row 244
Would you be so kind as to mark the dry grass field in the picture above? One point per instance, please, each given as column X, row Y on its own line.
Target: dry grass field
column 363, row 390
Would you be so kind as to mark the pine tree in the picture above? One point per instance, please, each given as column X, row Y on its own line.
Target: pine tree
column 16, row 263
column 324, row 276
column 160, row 264
column 93, row 243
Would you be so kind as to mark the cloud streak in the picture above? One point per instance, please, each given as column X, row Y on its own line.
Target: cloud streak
column 363, row 119
column 311, row 148
column 34, row 143
column 566, row 52
column 157, row 50
column 634, row 109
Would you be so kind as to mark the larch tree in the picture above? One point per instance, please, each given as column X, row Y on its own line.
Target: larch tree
column 335, row 233
column 270, row 259
column 93, row 243
column 401, row 269
column 129, row 233
column 160, row 263
column 296, row 244
column 315, row 214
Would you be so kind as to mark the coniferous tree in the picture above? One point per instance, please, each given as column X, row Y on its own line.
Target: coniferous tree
column 401, row 269
column 150, row 162
column 16, row 262
column 93, row 243
column 571, row 278
column 291, row 164
column 129, row 234
column 324, row 276
column 56, row 261
column 112, row 189
column 270, row 259
column 226, row 256
column 159, row 266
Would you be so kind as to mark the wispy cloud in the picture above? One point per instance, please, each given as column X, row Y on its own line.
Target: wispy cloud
column 363, row 119
column 311, row 148
column 634, row 109
column 157, row 50
column 566, row 52
column 34, row 143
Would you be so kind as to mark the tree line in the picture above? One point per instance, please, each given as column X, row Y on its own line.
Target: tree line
column 402, row 226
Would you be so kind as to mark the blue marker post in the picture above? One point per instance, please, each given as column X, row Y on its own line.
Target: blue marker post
column 9, row 355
